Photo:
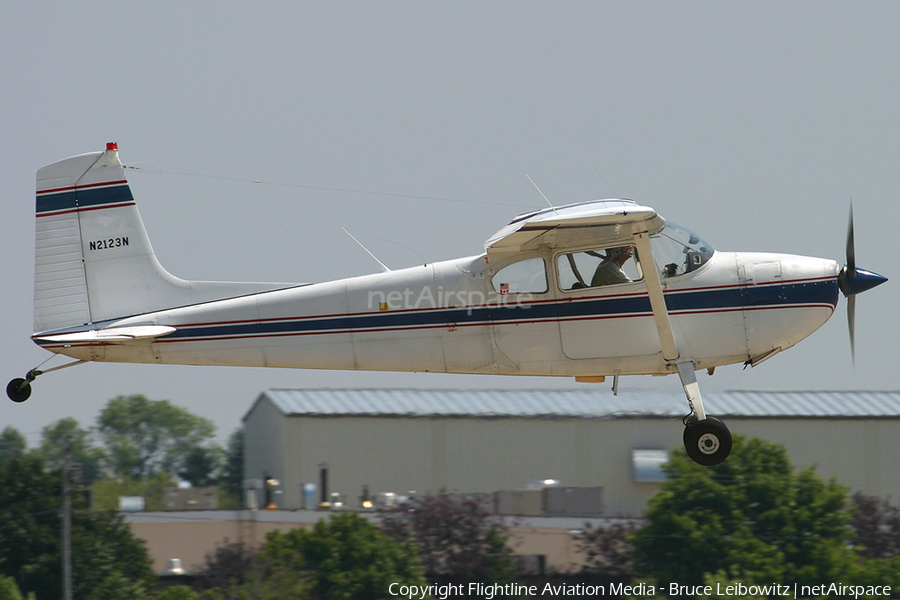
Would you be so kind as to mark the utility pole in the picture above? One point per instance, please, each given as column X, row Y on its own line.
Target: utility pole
column 66, row 522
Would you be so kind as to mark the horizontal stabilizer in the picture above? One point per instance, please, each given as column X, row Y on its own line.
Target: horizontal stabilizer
column 112, row 334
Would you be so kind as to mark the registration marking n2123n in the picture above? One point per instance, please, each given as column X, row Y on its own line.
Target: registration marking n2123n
column 108, row 243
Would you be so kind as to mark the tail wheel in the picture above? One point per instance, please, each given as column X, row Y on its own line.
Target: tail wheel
column 708, row 442
column 18, row 390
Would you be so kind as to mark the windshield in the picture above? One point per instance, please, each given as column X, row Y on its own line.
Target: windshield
column 678, row 250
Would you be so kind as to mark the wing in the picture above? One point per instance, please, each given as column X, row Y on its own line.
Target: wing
column 597, row 223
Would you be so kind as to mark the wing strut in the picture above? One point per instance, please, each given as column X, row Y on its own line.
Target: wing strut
column 664, row 325
column 657, row 301
column 706, row 439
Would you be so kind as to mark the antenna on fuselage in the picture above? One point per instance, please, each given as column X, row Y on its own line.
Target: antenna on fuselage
column 541, row 193
column 410, row 248
column 607, row 183
column 384, row 267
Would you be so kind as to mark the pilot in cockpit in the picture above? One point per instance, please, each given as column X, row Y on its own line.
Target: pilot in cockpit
column 609, row 271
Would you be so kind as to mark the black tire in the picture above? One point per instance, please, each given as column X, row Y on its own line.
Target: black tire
column 18, row 390
column 708, row 442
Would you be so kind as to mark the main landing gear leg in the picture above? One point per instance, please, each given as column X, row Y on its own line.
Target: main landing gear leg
column 19, row 389
column 706, row 439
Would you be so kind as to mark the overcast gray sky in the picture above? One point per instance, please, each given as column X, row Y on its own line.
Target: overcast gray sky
column 751, row 123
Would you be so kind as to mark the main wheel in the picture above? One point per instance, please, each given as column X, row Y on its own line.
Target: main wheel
column 708, row 442
column 18, row 390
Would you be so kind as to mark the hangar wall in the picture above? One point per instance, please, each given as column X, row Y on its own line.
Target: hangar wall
column 391, row 454
column 462, row 450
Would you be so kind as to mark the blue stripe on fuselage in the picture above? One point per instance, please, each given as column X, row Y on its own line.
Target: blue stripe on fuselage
column 823, row 292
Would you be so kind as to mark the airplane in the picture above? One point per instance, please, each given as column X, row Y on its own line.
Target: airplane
column 590, row 290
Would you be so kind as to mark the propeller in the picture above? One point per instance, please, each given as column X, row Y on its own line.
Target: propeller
column 853, row 281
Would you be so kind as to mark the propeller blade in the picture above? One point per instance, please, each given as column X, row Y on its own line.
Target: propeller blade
column 851, row 251
column 850, row 274
column 853, row 281
column 851, row 325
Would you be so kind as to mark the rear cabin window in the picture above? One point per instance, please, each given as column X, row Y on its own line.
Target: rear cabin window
column 527, row 276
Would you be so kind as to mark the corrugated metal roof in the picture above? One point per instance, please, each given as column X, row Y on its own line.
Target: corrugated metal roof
column 571, row 403
column 852, row 404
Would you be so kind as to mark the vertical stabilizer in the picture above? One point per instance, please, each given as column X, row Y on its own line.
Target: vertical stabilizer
column 93, row 259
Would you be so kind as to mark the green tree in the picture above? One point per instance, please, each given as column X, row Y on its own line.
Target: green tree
column 347, row 558
column 103, row 546
column 117, row 587
column 751, row 518
column 456, row 537
column 10, row 591
column 230, row 565
column 876, row 526
column 12, row 444
column 177, row 592
column 607, row 550
column 146, row 436
column 232, row 478
column 201, row 465
column 86, row 458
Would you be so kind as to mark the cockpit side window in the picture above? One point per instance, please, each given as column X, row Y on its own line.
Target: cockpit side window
column 597, row 268
column 679, row 251
column 527, row 276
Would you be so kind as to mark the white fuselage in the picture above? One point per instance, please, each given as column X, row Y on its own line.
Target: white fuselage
column 447, row 317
